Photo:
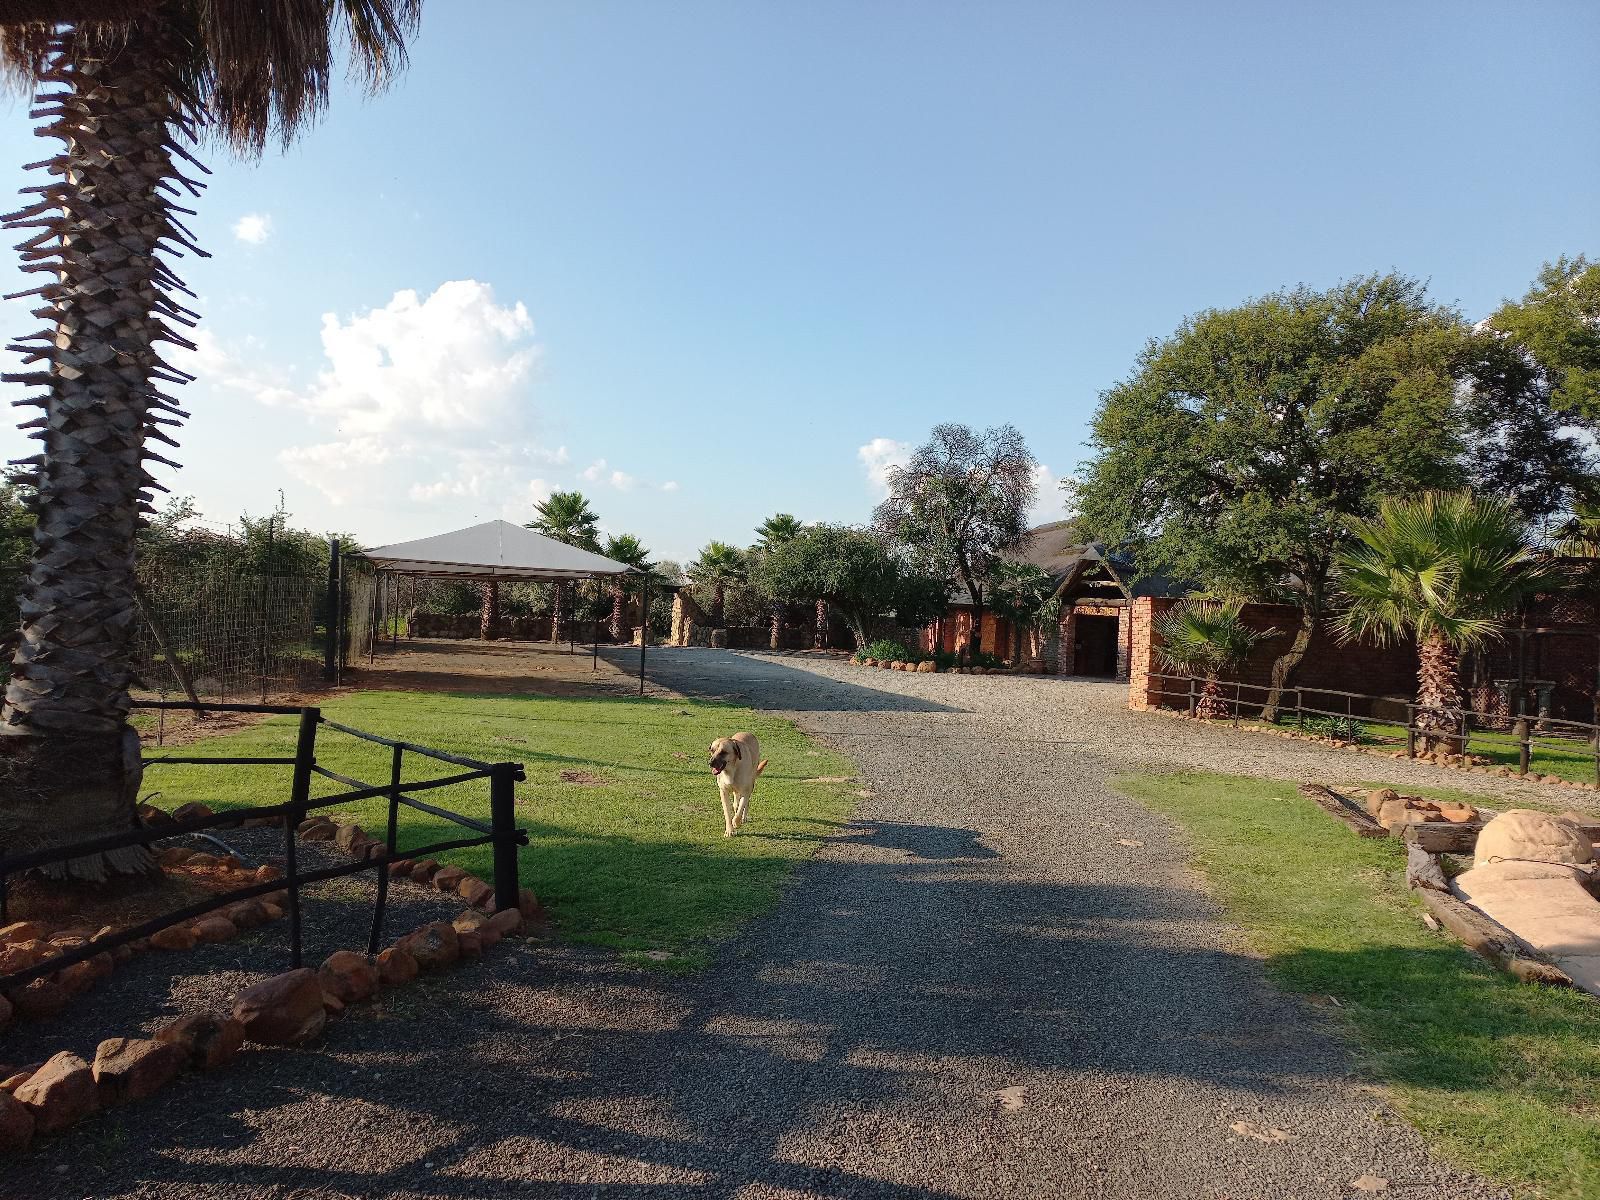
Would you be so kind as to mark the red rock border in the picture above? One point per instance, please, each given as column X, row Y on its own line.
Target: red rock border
column 285, row 1010
column 1453, row 762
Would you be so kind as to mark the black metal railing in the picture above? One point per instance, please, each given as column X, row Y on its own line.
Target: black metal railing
column 1465, row 721
column 500, row 831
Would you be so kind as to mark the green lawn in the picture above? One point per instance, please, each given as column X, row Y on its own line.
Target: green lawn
column 632, row 857
column 1501, row 1077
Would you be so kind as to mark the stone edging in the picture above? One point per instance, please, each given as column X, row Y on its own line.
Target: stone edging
column 1450, row 762
column 286, row 1010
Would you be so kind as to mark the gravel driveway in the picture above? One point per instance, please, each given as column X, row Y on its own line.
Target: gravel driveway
column 996, row 981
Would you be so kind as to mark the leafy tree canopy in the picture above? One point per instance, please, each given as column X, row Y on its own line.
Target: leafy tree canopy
column 853, row 569
column 1558, row 324
column 960, row 503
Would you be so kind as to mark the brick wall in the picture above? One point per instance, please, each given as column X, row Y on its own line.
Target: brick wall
column 1357, row 667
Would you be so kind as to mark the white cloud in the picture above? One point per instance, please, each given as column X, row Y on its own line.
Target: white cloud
column 670, row 485
column 1050, row 504
column 877, row 456
column 599, row 471
column 253, row 228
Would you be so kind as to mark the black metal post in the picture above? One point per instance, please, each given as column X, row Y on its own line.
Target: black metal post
column 1411, row 731
column 389, row 843
column 594, row 663
column 394, row 618
column 305, row 757
column 1300, row 709
column 1191, row 694
column 503, row 820
column 330, row 650
column 1524, row 735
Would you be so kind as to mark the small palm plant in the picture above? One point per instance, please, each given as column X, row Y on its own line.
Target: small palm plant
column 628, row 550
column 1445, row 569
column 771, row 533
column 719, row 567
column 1202, row 639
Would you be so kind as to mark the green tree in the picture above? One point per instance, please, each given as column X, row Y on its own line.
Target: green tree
column 1445, row 570
column 1202, row 639
column 1022, row 593
column 567, row 517
column 1557, row 324
column 627, row 549
column 1236, row 453
column 959, row 504
column 719, row 567
column 129, row 86
column 774, row 531
column 855, row 570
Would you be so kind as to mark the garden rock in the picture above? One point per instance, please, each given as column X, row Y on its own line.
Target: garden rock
column 38, row 1000
column 1521, row 833
column 16, row 1123
column 348, row 837
column 423, row 871
column 470, row 945
column 6, row 1012
column 133, row 1068
column 193, row 811
column 447, row 878
column 206, row 1040
column 214, row 929
column 927, row 667
column 59, row 1093
column 349, row 976
column 396, row 965
column 284, row 1010
column 322, row 831
column 473, row 890
column 173, row 937
column 434, row 946
column 505, row 923
column 21, row 931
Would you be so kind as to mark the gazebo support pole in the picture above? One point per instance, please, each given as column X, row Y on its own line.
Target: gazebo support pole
column 594, row 663
column 644, row 626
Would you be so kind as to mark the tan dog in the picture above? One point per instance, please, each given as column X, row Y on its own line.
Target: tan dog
column 736, row 761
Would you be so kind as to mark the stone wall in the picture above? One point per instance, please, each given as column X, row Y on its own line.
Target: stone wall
column 465, row 626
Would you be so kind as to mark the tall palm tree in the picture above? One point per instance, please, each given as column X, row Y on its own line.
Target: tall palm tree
column 1445, row 569
column 627, row 549
column 1202, row 639
column 567, row 517
column 125, row 86
column 719, row 567
column 774, row 531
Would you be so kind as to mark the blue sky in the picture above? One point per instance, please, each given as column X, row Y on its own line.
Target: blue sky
column 725, row 247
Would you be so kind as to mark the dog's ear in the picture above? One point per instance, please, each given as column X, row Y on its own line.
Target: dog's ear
column 736, row 752
column 713, row 746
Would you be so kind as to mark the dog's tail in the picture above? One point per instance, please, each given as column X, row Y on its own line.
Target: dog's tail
column 761, row 766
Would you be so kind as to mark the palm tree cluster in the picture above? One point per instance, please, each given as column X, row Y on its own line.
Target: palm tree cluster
column 568, row 517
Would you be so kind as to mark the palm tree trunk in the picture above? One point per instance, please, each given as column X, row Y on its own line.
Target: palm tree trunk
column 719, row 601
column 1211, row 706
column 618, row 613
column 819, row 636
column 776, row 639
column 557, row 601
column 69, row 757
column 1438, row 694
column 489, row 614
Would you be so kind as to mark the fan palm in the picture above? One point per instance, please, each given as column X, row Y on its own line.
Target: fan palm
column 627, row 549
column 1445, row 569
column 125, row 85
column 1202, row 639
column 567, row 517
column 719, row 567
column 774, row 531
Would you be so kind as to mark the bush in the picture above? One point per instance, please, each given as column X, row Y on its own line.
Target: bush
column 885, row 650
column 1346, row 729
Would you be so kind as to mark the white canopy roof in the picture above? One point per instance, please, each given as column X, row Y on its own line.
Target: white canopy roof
column 493, row 550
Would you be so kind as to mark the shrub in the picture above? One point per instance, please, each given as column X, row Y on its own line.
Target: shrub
column 885, row 650
column 1346, row 729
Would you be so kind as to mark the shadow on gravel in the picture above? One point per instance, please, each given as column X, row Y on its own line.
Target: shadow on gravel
column 734, row 677
column 938, row 842
column 885, row 1001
